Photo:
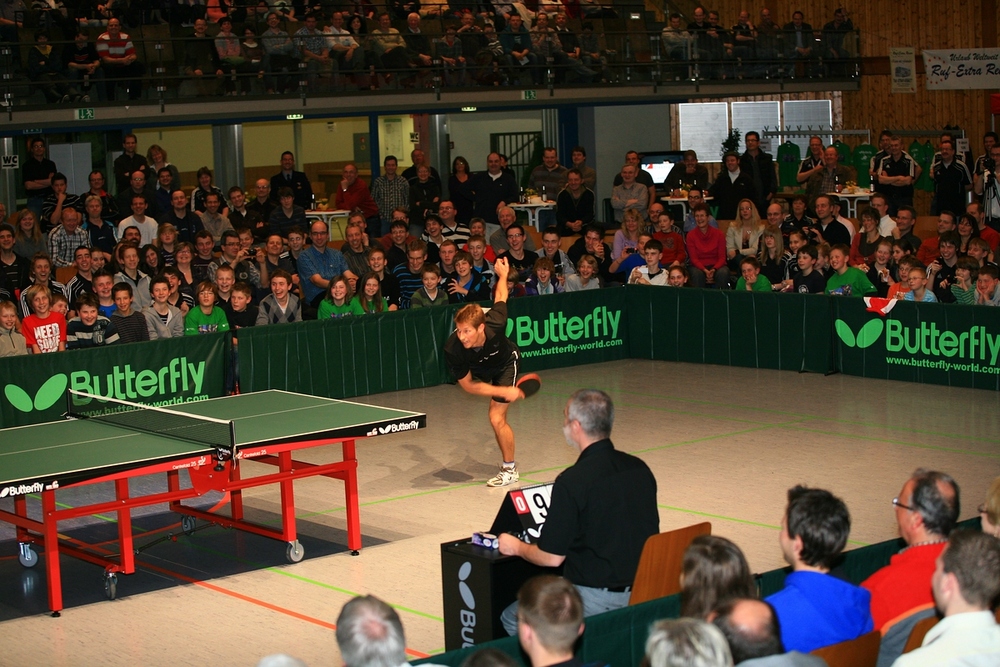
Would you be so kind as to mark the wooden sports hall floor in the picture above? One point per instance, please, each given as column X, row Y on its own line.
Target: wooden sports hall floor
column 724, row 443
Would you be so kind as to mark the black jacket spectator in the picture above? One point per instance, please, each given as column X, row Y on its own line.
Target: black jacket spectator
column 490, row 192
column 727, row 194
column 568, row 208
column 761, row 174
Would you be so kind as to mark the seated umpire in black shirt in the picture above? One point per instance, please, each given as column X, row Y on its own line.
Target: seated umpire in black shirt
column 603, row 508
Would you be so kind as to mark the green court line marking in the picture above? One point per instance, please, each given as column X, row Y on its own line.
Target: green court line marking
column 307, row 580
column 527, row 477
column 746, row 522
column 692, row 413
column 714, row 437
column 368, row 503
column 682, row 399
column 917, row 445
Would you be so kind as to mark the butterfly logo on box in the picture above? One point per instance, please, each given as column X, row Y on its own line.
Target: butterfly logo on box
column 532, row 506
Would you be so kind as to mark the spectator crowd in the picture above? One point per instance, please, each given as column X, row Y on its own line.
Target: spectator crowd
column 940, row 592
column 154, row 262
column 79, row 54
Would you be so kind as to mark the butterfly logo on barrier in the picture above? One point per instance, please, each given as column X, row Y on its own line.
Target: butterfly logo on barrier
column 870, row 332
column 46, row 396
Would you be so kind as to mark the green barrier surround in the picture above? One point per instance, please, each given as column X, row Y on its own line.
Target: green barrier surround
column 356, row 356
column 619, row 637
column 779, row 331
column 161, row 372
column 929, row 343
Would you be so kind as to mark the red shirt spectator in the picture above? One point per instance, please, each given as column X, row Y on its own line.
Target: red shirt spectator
column 354, row 194
column 706, row 247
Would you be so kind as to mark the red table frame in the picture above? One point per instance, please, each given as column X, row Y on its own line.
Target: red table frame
column 204, row 478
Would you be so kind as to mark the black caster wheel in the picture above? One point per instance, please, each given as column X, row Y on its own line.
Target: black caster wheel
column 111, row 585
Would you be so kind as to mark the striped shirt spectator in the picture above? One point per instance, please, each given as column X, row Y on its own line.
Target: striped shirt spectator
column 101, row 332
column 63, row 244
column 115, row 46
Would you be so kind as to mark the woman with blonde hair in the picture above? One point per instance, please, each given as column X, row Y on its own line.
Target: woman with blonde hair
column 166, row 243
column 157, row 158
column 586, row 276
column 772, row 256
column 743, row 235
column 29, row 239
column 627, row 238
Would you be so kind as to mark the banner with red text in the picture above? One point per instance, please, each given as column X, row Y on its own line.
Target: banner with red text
column 962, row 69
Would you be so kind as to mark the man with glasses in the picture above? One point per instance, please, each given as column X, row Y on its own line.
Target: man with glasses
column 521, row 261
column 498, row 239
column 926, row 511
column 137, row 188
column 452, row 229
column 245, row 270
column 398, row 239
column 317, row 265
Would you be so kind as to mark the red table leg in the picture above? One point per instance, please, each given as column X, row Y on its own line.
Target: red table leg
column 236, row 495
column 351, row 493
column 125, row 528
column 52, row 551
column 285, row 464
column 21, row 509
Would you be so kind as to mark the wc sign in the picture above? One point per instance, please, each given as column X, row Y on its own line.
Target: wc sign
column 9, row 161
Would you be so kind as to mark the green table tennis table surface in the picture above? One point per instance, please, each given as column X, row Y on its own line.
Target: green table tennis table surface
column 74, row 447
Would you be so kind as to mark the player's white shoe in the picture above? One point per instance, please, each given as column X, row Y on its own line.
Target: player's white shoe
column 504, row 477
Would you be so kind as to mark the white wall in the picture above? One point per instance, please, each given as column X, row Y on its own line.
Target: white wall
column 189, row 148
column 470, row 132
column 619, row 130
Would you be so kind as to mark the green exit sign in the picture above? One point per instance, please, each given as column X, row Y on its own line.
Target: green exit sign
column 528, row 95
column 85, row 114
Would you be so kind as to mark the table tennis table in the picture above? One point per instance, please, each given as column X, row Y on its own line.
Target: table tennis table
column 265, row 427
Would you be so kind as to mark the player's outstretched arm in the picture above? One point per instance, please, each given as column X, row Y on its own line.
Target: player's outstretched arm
column 502, row 269
column 478, row 388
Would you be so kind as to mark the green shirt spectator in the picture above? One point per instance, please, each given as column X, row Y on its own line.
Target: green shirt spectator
column 198, row 322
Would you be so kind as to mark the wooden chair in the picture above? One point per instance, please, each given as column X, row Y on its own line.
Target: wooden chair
column 534, row 235
column 860, row 652
column 659, row 571
column 567, row 242
column 920, row 629
column 925, row 226
column 64, row 274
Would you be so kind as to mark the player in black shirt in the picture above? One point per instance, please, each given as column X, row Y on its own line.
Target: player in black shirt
column 485, row 363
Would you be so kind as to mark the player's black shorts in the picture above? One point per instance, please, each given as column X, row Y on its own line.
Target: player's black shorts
column 505, row 376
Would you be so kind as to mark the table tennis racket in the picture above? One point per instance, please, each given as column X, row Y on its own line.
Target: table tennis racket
column 530, row 383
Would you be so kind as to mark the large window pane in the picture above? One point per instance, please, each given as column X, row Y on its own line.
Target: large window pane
column 800, row 115
column 704, row 127
column 755, row 116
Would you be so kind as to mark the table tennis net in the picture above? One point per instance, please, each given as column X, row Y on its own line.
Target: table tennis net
column 218, row 433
